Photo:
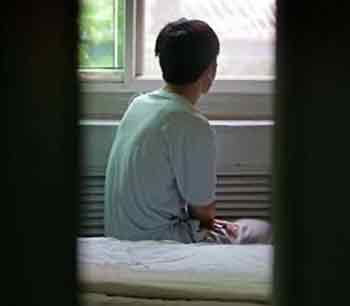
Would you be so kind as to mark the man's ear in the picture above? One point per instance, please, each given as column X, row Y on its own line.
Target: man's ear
column 208, row 78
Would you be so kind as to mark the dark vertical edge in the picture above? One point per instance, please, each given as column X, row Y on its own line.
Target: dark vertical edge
column 40, row 96
column 282, row 219
column 311, row 154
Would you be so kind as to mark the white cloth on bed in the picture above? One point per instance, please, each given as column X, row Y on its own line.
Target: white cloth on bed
column 170, row 270
column 248, row 231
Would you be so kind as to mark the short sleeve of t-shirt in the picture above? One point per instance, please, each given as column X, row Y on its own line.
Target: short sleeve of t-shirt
column 192, row 154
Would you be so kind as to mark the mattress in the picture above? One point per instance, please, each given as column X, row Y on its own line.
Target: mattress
column 157, row 271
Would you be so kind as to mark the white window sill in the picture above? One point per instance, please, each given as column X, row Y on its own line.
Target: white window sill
column 113, row 83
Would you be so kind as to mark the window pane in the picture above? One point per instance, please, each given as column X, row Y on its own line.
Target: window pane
column 246, row 29
column 102, row 33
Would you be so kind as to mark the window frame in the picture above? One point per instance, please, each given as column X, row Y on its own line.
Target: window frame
column 128, row 80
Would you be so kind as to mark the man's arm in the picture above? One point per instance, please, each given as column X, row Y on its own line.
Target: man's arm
column 204, row 214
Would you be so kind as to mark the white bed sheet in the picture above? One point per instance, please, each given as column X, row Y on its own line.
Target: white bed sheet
column 175, row 271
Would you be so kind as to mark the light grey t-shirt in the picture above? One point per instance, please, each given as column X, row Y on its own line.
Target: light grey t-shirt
column 162, row 158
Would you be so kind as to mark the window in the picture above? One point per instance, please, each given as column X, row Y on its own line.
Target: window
column 118, row 38
column 245, row 29
column 102, row 34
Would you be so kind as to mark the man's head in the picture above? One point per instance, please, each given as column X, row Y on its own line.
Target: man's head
column 187, row 51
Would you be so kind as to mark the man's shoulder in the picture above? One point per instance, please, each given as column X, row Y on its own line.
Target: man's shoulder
column 188, row 125
column 172, row 112
column 186, row 119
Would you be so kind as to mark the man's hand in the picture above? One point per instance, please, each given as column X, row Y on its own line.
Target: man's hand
column 230, row 227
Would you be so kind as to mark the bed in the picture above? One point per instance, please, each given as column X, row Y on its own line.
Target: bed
column 113, row 272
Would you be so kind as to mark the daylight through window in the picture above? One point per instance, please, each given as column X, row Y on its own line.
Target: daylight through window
column 102, row 34
column 246, row 29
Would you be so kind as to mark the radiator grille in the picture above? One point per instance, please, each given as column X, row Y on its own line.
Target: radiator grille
column 238, row 195
column 243, row 195
column 91, row 205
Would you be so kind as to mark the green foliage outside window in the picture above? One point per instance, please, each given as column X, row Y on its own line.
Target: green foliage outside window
column 102, row 32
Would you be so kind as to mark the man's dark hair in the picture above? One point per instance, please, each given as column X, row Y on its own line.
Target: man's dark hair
column 185, row 49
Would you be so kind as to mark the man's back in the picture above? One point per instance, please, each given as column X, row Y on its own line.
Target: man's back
column 163, row 156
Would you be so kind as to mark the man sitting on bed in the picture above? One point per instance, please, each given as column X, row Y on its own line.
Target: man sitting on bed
column 160, row 177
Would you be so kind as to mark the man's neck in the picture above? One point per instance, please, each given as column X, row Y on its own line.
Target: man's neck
column 190, row 92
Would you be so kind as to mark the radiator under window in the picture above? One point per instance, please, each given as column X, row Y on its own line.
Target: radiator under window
column 238, row 195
